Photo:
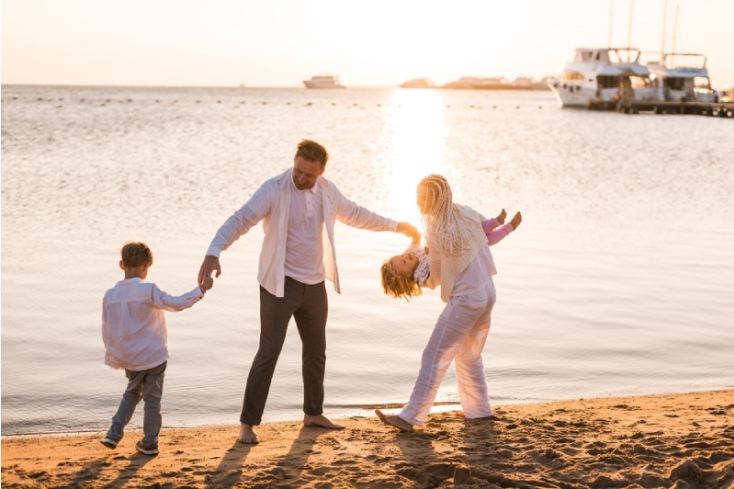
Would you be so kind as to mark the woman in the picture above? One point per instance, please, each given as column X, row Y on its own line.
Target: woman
column 461, row 264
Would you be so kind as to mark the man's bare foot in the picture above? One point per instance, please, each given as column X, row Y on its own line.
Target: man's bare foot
column 247, row 435
column 320, row 421
column 394, row 420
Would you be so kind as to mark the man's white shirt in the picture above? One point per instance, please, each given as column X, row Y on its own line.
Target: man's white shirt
column 271, row 204
column 304, row 257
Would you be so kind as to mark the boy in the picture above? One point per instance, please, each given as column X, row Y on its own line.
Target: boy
column 135, row 338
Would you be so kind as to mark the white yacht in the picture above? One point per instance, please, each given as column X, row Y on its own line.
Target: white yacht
column 602, row 74
column 323, row 81
column 682, row 77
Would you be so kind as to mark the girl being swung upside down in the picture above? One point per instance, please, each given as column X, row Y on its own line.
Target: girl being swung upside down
column 457, row 258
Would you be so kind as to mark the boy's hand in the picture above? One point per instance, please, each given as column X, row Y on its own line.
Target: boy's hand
column 208, row 283
column 501, row 217
column 516, row 220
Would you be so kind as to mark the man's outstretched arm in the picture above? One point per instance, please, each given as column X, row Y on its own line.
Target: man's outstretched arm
column 233, row 228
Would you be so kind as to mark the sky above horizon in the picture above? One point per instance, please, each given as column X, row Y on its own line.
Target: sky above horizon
column 378, row 43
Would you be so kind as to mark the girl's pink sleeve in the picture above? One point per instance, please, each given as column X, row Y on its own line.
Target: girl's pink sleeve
column 489, row 224
column 494, row 236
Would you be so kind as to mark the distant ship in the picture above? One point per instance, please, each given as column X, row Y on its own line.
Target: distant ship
column 323, row 81
column 497, row 83
column 500, row 83
column 602, row 75
column 682, row 77
column 466, row 82
column 418, row 83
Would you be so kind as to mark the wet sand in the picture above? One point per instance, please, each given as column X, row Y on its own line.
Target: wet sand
column 672, row 441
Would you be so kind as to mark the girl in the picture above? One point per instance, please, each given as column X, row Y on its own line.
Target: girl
column 404, row 275
column 460, row 262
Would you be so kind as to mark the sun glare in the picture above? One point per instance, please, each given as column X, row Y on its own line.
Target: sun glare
column 416, row 133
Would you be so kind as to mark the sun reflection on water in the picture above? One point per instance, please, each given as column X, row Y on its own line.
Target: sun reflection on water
column 415, row 134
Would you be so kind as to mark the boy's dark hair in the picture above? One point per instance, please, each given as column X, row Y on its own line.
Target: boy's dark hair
column 135, row 254
column 312, row 151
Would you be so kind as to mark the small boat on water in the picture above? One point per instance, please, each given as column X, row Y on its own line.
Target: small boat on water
column 418, row 83
column 602, row 75
column 682, row 77
column 323, row 81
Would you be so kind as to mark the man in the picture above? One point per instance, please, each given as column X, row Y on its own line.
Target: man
column 298, row 209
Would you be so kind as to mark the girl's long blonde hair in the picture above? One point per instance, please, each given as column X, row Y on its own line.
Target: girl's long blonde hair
column 447, row 229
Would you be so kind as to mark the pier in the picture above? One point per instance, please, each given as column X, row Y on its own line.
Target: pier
column 712, row 109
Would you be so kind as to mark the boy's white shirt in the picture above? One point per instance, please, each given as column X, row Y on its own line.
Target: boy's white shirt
column 271, row 204
column 134, row 325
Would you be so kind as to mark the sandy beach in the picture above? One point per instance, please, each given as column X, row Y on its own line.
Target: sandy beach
column 671, row 441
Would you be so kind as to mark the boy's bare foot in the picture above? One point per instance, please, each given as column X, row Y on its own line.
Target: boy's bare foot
column 501, row 217
column 516, row 220
column 394, row 420
column 247, row 435
column 320, row 421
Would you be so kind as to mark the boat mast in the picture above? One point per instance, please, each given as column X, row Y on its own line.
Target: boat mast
column 675, row 28
column 662, row 46
column 629, row 31
column 611, row 23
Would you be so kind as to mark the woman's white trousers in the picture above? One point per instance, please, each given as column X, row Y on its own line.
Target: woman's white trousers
column 460, row 334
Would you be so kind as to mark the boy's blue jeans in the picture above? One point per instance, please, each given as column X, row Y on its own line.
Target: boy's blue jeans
column 148, row 386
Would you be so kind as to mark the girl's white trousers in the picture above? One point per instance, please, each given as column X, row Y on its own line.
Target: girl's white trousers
column 460, row 334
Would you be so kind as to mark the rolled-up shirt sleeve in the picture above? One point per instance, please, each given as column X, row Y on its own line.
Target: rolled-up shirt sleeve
column 357, row 216
column 168, row 302
column 242, row 220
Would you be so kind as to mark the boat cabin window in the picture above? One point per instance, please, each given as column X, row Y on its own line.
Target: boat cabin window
column 607, row 81
column 701, row 82
column 572, row 75
column 675, row 83
column 640, row 82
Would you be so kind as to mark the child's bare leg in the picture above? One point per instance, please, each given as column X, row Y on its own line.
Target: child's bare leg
column 394, row 420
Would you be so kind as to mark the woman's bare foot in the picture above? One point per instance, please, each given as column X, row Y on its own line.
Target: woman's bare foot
column 247, row 435
column 394, row 420
column 321, row 421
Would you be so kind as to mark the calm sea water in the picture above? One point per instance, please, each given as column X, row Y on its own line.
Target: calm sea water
column 619, row 280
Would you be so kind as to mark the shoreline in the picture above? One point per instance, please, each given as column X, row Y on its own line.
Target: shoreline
column 670, row 440
column 368, row 412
